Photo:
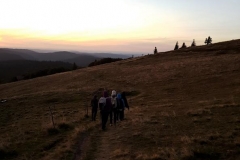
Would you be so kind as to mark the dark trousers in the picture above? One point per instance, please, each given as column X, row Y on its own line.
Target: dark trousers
column 94, row 114
column 104, row 119
column 116, row 115
column 111, row 116
column 121, row 115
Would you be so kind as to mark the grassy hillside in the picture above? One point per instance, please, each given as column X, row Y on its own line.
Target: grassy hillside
column 184, row 104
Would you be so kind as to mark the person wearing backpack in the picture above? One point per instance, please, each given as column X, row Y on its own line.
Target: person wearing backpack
column 125, row 103
column 101, row 104
column 114, row 108
column 120, row 106
column 105, row 105
column 94, row 105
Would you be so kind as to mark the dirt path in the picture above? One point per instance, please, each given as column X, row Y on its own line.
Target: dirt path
column 100, row 145
column 82, row 146
column 86, row 143
column 105, row 145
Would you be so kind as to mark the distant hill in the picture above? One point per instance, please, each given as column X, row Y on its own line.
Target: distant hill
column 10, row 69
column 80, row 58
column 111, row 55
column 56, row 56
column 15, row 62
column 20, row 54
column 9, row 57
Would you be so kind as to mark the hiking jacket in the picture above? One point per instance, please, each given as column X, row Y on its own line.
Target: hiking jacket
column 105, row 103
column 108, row 106
column 120, row 102
column 102, row 103
column 125, row 100
column 94, row 103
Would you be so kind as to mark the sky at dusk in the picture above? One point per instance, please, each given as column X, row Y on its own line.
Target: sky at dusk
column 117, row 26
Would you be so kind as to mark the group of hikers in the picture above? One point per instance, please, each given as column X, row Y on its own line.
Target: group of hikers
column 110, row 106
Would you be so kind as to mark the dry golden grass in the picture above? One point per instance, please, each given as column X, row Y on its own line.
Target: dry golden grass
column 184, row 105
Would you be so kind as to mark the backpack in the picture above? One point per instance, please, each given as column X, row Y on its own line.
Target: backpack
column 120, row 104
column 114, row 102
column 102, row 103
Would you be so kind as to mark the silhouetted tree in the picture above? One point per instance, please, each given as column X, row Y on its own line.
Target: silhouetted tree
column 183, row 45
column 193, row 43
column 155, row 50
column 208, row 40
column 205, row 41
column 74, row 66
column 176, row 46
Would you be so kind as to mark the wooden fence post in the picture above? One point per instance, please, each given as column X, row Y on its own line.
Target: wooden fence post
column 52, row 116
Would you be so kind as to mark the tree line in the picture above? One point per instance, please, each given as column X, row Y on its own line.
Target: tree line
column 103, row 61
column 207, row 42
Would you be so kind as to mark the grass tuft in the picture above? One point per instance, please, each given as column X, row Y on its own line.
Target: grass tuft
column 52, row 144
column 132, row 93
column 52, row 131
column 208, row 154
column 4, row 154
column 65, row 127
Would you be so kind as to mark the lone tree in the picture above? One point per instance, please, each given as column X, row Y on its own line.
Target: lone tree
column 155, row 50
column 193, row 43
column 183, row 45
column 176, row 46
column 208, row 40
column 74, row 66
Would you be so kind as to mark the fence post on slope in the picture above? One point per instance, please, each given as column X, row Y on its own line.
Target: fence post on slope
column 52, row 116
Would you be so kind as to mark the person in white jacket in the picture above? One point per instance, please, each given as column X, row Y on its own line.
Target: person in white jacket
column 114, row 103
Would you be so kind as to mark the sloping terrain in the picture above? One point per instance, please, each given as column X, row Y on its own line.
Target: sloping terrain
column 184, row 104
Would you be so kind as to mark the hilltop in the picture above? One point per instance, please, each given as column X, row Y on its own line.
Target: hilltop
column 184, row 104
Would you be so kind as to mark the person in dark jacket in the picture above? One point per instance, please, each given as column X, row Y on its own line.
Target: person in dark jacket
column 94, row 105
column 120, row 107
column 105, row 109
column 125, row 103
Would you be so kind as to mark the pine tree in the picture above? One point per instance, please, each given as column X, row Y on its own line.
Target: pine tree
column 184, row 45
column 206, row 40
column 176, row 46
column 74, row 66
column 209, row 40
column 193, row 43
